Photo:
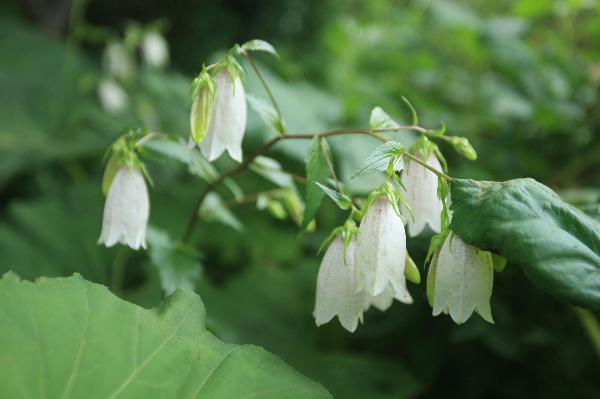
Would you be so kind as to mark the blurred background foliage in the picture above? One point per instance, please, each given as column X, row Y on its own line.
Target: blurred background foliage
column 520, row 79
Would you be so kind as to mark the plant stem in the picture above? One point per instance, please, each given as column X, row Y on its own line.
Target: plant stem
column 591, row 326
column 264, row 84
column 117, row 273
column 193, row 220
column 424, row 164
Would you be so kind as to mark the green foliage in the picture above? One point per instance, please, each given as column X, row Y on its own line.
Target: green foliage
column 317, row 171
column 128, row 347
column 340, row 199
column 178, row 267
column 259, row 45
column 379, row 160
column 557, row 246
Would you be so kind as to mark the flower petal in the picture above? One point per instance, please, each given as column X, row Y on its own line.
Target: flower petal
column 335, row 287
column 421, row 196
column 381, row 251
column 463, row 281
column 126, row 210
column 228, row 120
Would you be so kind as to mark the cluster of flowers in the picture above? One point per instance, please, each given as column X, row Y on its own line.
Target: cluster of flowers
column 370, row 268
column 119, row 63
column 218, row 122
column 363, row 267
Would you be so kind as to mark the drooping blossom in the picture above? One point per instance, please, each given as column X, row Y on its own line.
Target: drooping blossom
column 126, row 210
column 336, row 287
column 381, row 252
column 228, row 119
column 155, row 50
column 112, row 96
column 463, row 277
column 421, row 196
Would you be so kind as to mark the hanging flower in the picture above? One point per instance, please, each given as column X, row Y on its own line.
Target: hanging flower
column 112, row 96
column 155, row 51
column 462, row 278
column 126, row 210
column 228, row 119
column 336, row 283
column 421, row 196
column 381, row 252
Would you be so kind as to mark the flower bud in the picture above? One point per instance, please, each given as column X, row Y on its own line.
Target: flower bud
column 336, row 282
column 126, row 210
column 202, row 106
column 112, row 96
column 462, row 281
column 381, row 251
column 464, row 148
column 155, row 50
column 421, row 196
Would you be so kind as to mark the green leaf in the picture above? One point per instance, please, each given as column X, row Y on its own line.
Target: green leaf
column 271, row 170
column 177, row 267
column 179, row 151
column 317, row 171
column 267, row 113
column 122, row 350
column 381, row 120
column 557, row 246
column 340, row 199
column 214, row 210
column 259, row 45
column 379, row 159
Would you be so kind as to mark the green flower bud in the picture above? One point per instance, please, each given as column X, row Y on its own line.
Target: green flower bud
column 203, row 94
column 411, row 271
column 464, row 148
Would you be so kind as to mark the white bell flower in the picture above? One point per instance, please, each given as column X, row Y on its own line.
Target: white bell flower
column 336, row 282
column 421, row 196
column 112, row 96
column 126, row 210
column 463, row 278
column 228, row 119
column 155, row 50
column 381, row 252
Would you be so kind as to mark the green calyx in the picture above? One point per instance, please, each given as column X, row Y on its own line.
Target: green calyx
column 123, row 152
column 203, row 94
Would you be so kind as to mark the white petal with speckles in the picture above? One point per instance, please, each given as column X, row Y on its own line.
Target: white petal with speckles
column 421, row 196
column 228, row 120
column 126, row 210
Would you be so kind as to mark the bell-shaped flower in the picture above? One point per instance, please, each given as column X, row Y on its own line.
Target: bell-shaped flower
column 336, row 283
column 381, row 252
column 155, row 50
column 462, row 278
column 228, row 119
column 112, row 96
column 126, row 210
column 421, row 196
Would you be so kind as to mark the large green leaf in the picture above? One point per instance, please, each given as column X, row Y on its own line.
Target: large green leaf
column 71, row 338
column 557, row 246
column 317, row 171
